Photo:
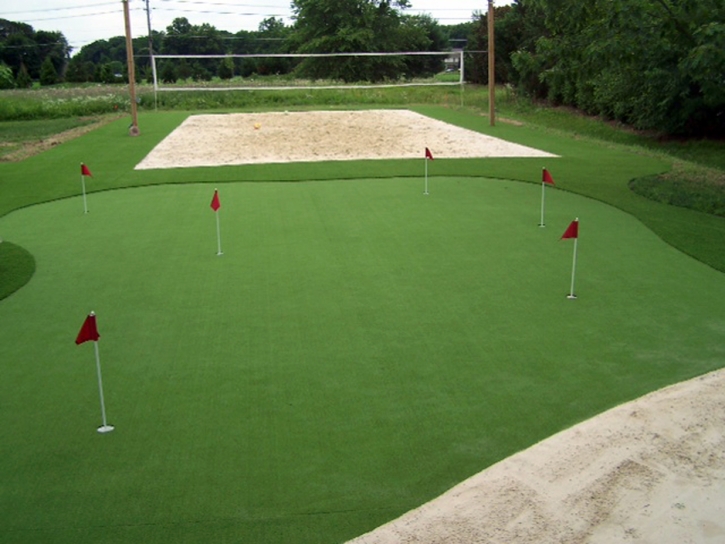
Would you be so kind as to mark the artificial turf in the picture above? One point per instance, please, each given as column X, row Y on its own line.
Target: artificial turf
column 358, row 349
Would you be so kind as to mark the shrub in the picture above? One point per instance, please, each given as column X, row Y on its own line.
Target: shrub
column 48, row 75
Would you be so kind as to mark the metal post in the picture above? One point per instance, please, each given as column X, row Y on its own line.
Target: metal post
column 491, row 67
column 152, row 61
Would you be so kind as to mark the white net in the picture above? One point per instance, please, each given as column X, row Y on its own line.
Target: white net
column 306, row 71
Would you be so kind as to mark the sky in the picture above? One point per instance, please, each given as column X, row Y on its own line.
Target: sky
column 85, row 21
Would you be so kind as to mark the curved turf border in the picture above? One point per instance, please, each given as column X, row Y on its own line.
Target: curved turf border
column 17, row 266
column 587, row 167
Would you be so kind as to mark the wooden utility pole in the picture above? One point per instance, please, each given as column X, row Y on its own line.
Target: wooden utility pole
column 491, row 67
column 133, row 129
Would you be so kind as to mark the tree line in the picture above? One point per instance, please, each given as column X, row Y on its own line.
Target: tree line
column 27, row 55
column 652, row 64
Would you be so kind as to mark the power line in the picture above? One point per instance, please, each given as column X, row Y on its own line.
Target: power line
column 225, row 4
column 73, row 16
column 212, row 12
column 59, row 9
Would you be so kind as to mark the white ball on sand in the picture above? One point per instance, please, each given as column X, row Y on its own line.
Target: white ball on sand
column 257, row 126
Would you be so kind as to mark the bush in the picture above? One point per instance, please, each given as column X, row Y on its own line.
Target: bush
column 24, row 81
column 7, row 81
column 48, row 75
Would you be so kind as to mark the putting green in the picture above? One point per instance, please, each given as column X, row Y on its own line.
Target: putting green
column 358, row 349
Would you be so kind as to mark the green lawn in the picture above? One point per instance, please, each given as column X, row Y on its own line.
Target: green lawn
column 357, row 350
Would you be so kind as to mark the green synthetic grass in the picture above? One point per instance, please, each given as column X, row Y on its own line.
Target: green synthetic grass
column 686, row 186
column 588, row 167
column 17, row 266
column 358, row 349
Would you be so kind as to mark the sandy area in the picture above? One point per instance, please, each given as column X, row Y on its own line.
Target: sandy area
column 649, row 471
column 248, row 138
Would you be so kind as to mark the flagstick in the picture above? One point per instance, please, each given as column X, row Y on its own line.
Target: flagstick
column 218, row 235
column 543, row 190
column 106, row 428
column 83, row 185
column 571, row 294
column 426, row 176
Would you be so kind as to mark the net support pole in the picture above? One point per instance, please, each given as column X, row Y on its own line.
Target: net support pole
column 133, row 130
column 151, row 49
column 156, row 82
column 462, row 79
column 491, row 67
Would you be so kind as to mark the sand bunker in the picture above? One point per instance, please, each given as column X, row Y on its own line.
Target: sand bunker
column 252, row 138
column 649, row 471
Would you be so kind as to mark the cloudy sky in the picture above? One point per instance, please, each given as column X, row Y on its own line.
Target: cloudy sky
column 85, row 21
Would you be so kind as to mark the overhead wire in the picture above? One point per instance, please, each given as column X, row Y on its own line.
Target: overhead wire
column 56, row 13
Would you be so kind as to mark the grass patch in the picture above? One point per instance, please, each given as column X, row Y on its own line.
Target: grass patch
column 23, row 131
column 686, row 186
column 22, row 139
column 17, row 266
column 709, row 153
column 357, row 350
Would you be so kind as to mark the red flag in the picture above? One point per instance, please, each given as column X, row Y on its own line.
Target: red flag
column 85, row 171
column 215, row 204
column 88, row 331
column 428, row 154
column 572, row 231
column 546, row 177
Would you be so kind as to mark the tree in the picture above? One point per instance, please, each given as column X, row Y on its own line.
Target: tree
column 422, row 33
column 48, row 75
column 23, row 81
column 654, row 64
column 7, row 81
column 53, row 45
column 226, row 68
column 79, row 71
column 350, row 26
column 21, row 45
column 507, row 36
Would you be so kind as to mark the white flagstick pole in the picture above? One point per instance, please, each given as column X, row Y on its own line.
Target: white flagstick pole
column 106, row 428
column 543, row 190
column 218, row 235
column 83, row 185
column 571, row 294
column 426, row 176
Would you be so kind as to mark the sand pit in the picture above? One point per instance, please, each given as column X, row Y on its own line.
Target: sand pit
column 649, row 471
column 253, row 138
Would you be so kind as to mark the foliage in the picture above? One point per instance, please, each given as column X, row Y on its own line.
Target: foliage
column 507, row 38
column 48, row 75
column 60, row 102
column 21, row 45
column 653, row 64
column 23, row 80
column 362, row 26
column 7, row 81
